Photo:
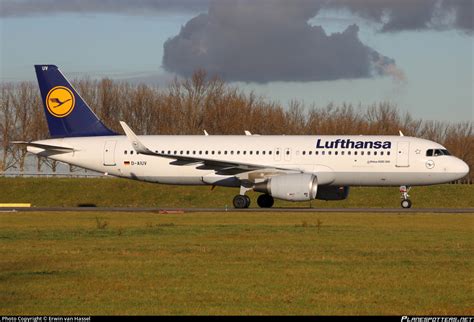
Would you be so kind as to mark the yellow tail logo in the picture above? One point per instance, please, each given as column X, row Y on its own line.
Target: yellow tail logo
column 60, row 101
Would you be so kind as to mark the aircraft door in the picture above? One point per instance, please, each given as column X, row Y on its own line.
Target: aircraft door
column 109, row 153
column 403, row 151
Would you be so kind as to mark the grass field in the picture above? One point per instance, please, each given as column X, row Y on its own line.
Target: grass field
column 245, row 263
column 57, row 192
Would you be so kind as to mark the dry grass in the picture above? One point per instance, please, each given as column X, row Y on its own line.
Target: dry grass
column 252, row 263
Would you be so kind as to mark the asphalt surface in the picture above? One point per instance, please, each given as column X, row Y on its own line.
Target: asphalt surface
column 270, row 210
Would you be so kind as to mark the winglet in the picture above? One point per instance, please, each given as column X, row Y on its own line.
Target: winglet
column 205, row 133
column 133, row 138
column 401, row 134
column 247, row 132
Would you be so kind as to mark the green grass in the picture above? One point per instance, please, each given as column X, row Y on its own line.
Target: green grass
column 128, row 193
column 245, row 263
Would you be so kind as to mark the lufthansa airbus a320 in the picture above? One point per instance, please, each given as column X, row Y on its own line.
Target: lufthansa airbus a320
column 294, row 168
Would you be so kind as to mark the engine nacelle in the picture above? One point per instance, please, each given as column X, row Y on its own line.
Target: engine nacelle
column 292, row 187
column 332, row 193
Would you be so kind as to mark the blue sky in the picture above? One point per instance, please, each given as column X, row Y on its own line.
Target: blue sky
column 438, row 65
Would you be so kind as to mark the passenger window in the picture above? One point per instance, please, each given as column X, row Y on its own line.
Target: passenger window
column 361, row 152
column 336, row 153
column 388, row 152
column 125, row 152
column 269, row 152
column 348, row 152
column 323, row 152
column 304, row 152
column 131, row 152
column 368, row 152
column 355, row 152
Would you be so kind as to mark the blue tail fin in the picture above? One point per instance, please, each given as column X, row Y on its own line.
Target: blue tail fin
column 66, row 112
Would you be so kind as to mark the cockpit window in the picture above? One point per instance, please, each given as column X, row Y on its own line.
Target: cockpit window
column 436, row 152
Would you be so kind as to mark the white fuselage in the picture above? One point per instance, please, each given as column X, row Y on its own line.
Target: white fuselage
column 401, row 161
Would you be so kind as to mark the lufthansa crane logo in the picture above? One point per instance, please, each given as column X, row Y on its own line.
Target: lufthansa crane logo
column 60, row 101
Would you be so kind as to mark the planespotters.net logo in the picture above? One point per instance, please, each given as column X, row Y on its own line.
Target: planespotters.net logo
column 437, row 319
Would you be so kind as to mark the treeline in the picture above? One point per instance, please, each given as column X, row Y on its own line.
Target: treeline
column 200, row 103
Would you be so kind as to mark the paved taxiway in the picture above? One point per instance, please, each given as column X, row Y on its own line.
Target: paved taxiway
column 184, row 210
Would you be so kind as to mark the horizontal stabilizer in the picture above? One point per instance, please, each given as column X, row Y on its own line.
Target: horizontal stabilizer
column 47, row 147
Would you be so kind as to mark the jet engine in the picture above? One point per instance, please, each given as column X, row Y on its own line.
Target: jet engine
column 292, row 187
column 332, row 193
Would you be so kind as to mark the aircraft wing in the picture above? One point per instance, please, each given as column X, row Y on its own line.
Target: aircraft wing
column 222, row 167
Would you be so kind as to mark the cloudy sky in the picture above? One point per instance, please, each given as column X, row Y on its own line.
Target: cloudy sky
column 417, row 54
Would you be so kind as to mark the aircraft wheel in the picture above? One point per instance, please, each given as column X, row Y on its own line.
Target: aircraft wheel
column 241, row 201
column 248, row 200
column 265, row 201
column 406, row 203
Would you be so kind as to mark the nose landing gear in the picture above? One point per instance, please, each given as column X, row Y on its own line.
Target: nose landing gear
column 406, row 203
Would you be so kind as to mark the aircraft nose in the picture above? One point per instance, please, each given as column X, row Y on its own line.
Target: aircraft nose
column 459, row 169
column 463, row 168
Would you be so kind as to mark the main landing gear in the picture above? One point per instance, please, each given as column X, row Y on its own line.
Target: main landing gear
column 241, row 201
column 406, row 203
column 265, row 201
